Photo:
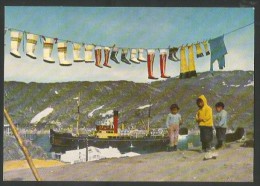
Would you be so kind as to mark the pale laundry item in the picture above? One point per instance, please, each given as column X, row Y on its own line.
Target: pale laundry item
column 62, row 54
column 16, row 38
column 141, row 55
column 76, row 52
column 31, row 45
column 89, row 53
column 47, row 50
column 133, row 56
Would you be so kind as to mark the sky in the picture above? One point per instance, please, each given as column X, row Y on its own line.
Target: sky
column 133, row 27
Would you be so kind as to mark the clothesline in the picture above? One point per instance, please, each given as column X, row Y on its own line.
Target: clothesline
column 120, row 47
column 187, row 64
column 238, row 28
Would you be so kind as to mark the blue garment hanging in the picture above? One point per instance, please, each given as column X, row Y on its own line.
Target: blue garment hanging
column 218, row 52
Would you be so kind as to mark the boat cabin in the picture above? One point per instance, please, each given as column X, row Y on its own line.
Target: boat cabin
column 108, row 131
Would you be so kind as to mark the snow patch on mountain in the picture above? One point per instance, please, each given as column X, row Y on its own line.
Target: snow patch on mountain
column 41, row 115
column 251, row 83
column 144, row 106
column 92, row 112
column 235, row 85
column 108, row 113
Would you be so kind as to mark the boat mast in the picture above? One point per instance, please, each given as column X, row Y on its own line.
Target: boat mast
column 78, row 103
column 149, row 114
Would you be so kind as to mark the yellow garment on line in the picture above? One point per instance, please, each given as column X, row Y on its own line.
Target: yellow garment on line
column 76, row 46
column 199, row 50
column 205, row 113
column 183, row 65
column 191, row 59
column 205, row 44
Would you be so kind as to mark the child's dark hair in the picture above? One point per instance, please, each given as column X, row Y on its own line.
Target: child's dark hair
column 220, row 104
column 199, row 100
column 174, row 106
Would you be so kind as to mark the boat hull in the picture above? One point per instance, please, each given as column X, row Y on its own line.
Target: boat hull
column 64, row 141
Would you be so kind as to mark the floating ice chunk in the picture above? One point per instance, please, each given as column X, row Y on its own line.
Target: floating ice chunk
column 41, row 115
column 130, row 154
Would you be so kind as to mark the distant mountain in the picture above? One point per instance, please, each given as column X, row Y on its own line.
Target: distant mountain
column 234, row 88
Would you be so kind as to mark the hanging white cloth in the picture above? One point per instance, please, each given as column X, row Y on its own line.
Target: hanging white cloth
column 89, row 53
column 31, row 45
column 47, row 50
column 16, row 38
column 62, row 54
column 76, row 52
column 141, row 55
column 133, row 56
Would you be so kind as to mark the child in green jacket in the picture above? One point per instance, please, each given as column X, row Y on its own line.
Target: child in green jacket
column 220, row 124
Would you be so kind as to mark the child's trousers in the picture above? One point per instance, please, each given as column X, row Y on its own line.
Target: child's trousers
column 206, row 137
column 221, row 135
column 173, row 134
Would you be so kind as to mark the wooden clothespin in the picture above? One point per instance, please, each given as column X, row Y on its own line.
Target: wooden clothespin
column 55, row 40
column 44, row 38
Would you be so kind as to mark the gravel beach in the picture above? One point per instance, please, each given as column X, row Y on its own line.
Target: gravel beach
column 234, row 164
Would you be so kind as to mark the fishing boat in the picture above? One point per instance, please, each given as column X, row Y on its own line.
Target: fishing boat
column 104, row 136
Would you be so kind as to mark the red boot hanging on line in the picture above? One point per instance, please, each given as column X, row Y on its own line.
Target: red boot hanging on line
column 163, row 56
column 150, row 61
column 98, row 56
column 106, row 52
